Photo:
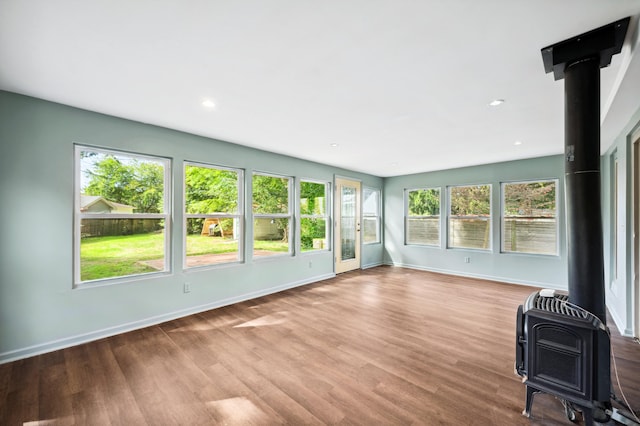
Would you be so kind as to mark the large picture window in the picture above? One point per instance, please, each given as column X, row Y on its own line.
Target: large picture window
column 272, row 217
column 121, row 214
column 470, row 217
column 371, row 215
column 529, row 222
column 314, row 221
column 422, row 221
column 213, row 215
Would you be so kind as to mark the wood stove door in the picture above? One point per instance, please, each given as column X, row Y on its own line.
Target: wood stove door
column 559, row 358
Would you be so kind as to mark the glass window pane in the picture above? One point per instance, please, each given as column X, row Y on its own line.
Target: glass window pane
column 371, row 215
column 119, row 247
column 313, row 234
column 270, row 194
column 470, row 217
column 370, row 202
column 209, row 190
column 348, row 223
column 529, row 217
column 424, row 230
column 270, row 236
column 470, row 200
column 371, row 230
column 313, row 198
column 424, row 202
column 120, row 184
column 423, row 221
column 211, row 241
column 470, row 233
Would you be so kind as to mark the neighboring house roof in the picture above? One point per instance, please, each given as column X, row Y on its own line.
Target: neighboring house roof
column 86, row 201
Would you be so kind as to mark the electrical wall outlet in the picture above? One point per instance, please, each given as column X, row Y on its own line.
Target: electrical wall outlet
column 467, row 260
column 187, row 287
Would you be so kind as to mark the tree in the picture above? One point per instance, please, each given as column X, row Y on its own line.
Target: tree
column 147, row 187
column 312, row 202
column 471, row 200
column 210, row 190
column 424, row 202
column 530, row 199
column 271, row 196
column 127, row 181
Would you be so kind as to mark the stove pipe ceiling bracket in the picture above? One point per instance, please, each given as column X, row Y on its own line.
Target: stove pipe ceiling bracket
column 578, row 61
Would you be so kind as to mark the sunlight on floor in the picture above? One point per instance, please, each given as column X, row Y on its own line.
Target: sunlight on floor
column 57, row 421
column 236, row 411
column 205, row 326
column 274, row 319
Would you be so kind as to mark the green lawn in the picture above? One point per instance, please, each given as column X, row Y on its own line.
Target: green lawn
column 117, row 256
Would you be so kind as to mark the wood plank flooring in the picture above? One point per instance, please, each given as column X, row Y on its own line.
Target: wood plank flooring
column 381, row 346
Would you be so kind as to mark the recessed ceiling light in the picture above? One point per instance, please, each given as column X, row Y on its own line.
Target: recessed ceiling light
column 496, row 102
column 208, row 103
column 334, row 145
column 517, row 143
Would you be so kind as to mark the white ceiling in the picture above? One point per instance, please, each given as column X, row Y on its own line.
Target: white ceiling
column 402, row 86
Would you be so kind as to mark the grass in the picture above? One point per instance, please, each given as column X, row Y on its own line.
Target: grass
column 118, row 256
column 269, row 245
column 199, row 244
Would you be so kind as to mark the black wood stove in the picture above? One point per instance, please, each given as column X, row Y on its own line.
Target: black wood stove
column 564, row 350
column 563, row 345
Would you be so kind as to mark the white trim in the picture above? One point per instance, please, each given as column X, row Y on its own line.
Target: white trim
column 634, row 280
column 439, row 216
column 299, row 216
column 78, row 216
column 78, row 339
column 238, row 216
column 290, row 215
column 627, row 332
column 488, row 219
column 372, row 265
column 377, row 216
column 478, row 276
column 503, row 216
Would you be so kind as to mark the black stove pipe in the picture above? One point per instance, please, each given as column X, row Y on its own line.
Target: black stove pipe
column 578, row 61
column 582, row 185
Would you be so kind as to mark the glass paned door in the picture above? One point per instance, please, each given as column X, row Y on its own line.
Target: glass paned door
column 348, row 228
column 347, row 225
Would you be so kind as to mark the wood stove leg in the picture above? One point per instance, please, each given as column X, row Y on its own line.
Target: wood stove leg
column 529, row 401
column 587, row 416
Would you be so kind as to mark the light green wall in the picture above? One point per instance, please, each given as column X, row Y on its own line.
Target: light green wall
column 545, row 271
column 620, row 291
column 39, row 310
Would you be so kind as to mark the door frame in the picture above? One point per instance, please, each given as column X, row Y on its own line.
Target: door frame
column 338, row 265
column 635, row 185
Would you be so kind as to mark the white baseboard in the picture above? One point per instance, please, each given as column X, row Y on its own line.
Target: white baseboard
column 620, row 324
column 158, row 319
column 479, row 276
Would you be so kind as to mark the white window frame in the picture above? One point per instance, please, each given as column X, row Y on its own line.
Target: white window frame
column 406, row 216
column 290, row 215
column 503, row 218
column 377, row 216
column 326, row 217
column 78, row 216
column 488, row 219
column 238, row 216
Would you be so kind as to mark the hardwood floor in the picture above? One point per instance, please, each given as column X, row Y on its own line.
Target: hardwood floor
column 381, row 346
